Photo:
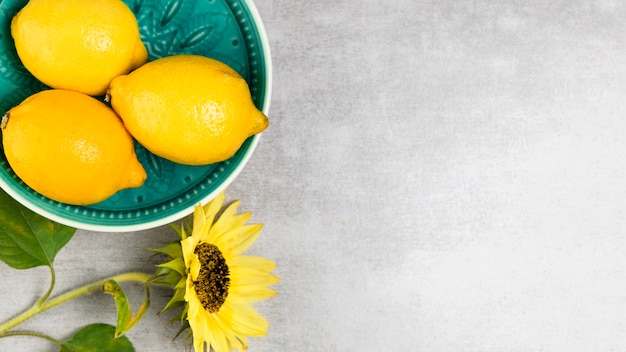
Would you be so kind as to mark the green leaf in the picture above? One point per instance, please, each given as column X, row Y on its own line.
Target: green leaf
column 97, row 338
column 27, row 239
column 177, row 265
column 172, row 250
column 125, row 320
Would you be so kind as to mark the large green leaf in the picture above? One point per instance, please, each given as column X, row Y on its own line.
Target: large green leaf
column 97, row 338
column 27, row 239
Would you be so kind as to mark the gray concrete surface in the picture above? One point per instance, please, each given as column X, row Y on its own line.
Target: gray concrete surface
column 438, row 176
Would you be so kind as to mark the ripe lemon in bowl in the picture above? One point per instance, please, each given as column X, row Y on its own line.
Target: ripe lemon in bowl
column 160, row 107
column 78, row 45
column 70, row 147
column 230, row 31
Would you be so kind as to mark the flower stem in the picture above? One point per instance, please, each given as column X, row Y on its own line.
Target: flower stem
column 43, row 305
column 32, row 333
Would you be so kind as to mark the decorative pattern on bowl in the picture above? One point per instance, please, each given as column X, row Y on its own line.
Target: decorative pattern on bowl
column 227, row 30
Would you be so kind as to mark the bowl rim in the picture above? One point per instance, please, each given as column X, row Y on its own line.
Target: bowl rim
column 260, row 28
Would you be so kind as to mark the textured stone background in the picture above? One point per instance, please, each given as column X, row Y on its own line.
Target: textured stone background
column 438, row 176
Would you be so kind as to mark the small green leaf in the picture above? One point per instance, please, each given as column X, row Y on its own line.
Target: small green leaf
column 172, row 250
column 97, row 338
column 125, row 320
column 177, row 265
column 27, row 239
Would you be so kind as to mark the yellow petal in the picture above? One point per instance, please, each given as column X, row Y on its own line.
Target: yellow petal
column 215, row 335
column 193, row 302
column 252, row 261
column 252, row 294
column 228, row 220
column 199, row 321
column 199, row 220
column 213, row 207
column 232, row 222
column 194, row 267
column 201, row 227
column 236, row 241
column 244, row 319
column 236, row 341
column 198, row 343
column 243, row 343
column 219, row 339
column 188, row 247
column 250, row 276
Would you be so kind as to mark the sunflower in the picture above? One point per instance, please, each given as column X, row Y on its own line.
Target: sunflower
column 214, row 283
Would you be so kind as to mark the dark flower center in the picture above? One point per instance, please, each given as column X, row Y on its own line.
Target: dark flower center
column 213, row 280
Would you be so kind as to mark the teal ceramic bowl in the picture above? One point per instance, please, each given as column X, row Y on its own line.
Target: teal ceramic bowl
column 227, row 30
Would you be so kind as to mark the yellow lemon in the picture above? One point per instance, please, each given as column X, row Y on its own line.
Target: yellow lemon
column 70, row 147
column 76, row 44
column 186, row 108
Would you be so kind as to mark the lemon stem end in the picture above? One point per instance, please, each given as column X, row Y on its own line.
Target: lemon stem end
column 5, row 120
